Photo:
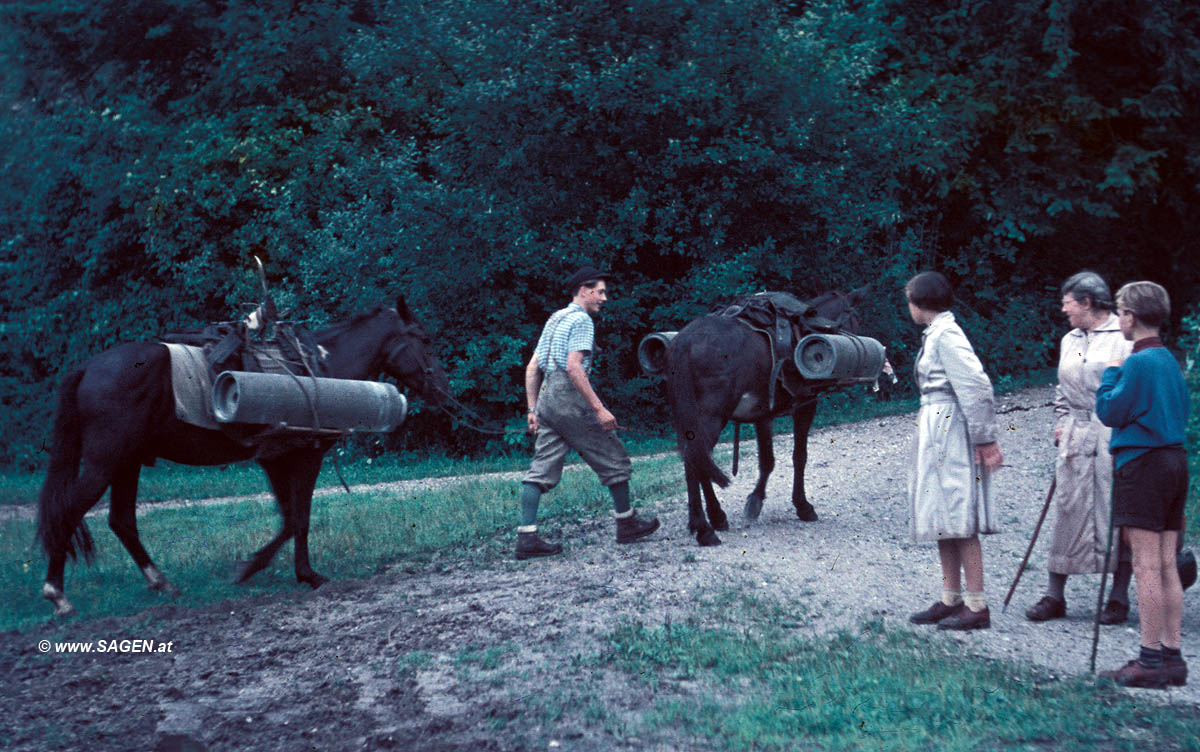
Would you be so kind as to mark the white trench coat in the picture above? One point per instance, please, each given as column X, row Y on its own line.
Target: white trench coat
column 949, row 495
column 1083, row 471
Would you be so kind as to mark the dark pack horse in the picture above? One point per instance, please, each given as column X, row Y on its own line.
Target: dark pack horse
column 116, row 413
column 718, row 370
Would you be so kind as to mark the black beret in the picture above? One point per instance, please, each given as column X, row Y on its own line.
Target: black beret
column 585, row 275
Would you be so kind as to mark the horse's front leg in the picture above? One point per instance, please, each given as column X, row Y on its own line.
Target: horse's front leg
column 280, row 476
column 802, row 418
column 766, row 463
column 307, row 471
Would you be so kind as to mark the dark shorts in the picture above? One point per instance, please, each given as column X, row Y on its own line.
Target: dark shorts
column 1150, row 490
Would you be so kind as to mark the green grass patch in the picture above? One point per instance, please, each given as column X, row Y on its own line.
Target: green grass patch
column 767, row 689
column 199, row 547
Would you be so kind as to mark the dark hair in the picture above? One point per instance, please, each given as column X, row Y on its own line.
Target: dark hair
column 1148, row 301
column 931, row 291
column 1090, row 286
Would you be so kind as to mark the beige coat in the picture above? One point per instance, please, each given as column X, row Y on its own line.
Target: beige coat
column 1083, row 472
column 949, row 496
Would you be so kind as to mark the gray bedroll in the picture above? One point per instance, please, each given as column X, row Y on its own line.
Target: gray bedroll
column 306, row 402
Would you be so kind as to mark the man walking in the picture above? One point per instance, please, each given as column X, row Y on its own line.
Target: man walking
column 565, row 413
column 1144, row 399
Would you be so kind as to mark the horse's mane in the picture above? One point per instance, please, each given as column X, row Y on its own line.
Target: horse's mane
column 342, row 326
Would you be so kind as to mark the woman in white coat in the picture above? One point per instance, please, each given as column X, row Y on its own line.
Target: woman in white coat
column 956, row 452
column 1083, row 470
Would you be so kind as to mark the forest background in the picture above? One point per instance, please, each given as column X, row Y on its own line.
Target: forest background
column 471, row 153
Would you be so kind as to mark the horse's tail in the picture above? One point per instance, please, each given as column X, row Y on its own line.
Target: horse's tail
column 695, row 446
column 54, row 503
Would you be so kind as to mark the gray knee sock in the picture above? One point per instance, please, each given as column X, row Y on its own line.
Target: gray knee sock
column 1056, row 586
column 620, row 494
column 531, row 494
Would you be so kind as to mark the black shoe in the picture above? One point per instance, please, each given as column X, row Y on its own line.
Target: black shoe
column 632, row 528
column 1115, row 612
column 933, row 614
column 530, row 545
column 1046, row 609
column 967, row 619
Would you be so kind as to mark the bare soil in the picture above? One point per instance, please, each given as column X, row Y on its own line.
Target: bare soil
column 454, row 653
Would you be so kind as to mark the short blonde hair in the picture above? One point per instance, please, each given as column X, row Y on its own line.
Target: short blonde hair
column 1147, row 301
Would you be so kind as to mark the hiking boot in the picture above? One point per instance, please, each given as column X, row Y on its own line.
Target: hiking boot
column 933, row 614
column 967, row 619
column 632, row 528
column 1046, row 609
column 1115, row 612
column 530, row 545
column 1135, row 674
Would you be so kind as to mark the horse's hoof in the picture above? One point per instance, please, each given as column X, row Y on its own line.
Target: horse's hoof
column 64, row 612
column 708, row 538
column 753, row 507
column 806, row 513
column 314, row 580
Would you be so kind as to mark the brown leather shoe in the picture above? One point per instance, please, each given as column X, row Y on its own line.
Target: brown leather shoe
column 965, row 619
column 530, row 545
column 633, row 528
column 1176, row 673
column 933, row 614
column 1046, row 609
column 1115, row 612
column 1134, row 674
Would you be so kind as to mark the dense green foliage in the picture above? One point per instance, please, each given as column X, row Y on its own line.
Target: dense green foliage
column 469, row 153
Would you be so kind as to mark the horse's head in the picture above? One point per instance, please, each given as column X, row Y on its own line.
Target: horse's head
column 839, row 307
column 406, row 356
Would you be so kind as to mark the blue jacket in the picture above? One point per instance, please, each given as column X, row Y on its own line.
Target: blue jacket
column 1145, row 401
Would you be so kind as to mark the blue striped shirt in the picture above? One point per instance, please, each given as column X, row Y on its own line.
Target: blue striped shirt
column 569, row 330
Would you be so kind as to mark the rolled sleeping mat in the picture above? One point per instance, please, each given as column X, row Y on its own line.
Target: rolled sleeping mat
column 652, row 352
column 839, row 357
column 305, row 402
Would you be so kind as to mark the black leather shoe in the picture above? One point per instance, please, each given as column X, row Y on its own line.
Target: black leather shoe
column 1115, row 612
column 530, row 545
column 1046, row 609
column 934, row 613
column 632, row 528
column 967, row 619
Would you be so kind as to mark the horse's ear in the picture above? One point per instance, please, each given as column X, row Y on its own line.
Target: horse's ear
column 402, row 308
column 858, row 295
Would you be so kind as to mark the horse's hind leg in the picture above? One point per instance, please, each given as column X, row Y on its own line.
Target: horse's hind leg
column 802, row 418
column 697, row 522
column 84, row 494
column 764, row 437
column 122, row 518
column 716, row 515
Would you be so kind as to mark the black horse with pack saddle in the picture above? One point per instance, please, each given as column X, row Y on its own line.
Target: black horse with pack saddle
column 216, row 397
column 750, row 361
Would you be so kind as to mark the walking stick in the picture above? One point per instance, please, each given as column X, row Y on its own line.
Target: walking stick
column 1103, row 578
column 1036, row 530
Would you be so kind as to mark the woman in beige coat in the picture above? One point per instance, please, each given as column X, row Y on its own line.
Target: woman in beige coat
column 955, row 454
column 1083, row 471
